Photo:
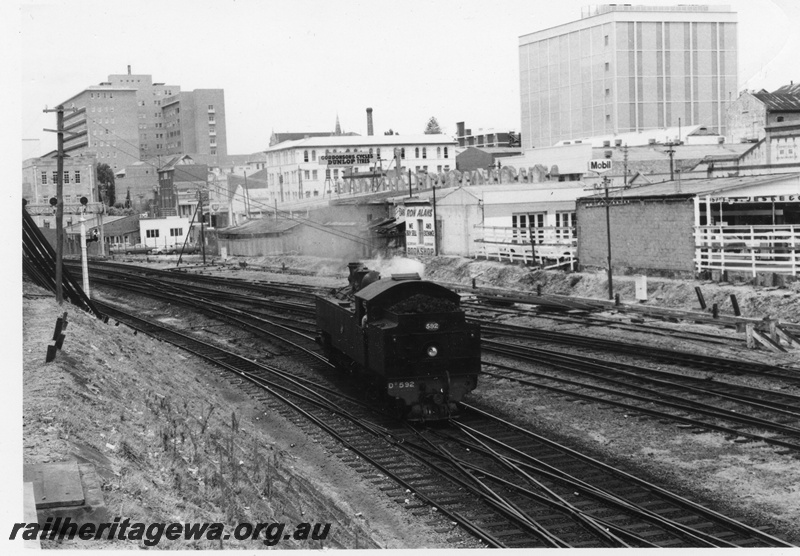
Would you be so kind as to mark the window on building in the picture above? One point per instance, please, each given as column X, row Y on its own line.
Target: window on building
column 151, row 233
column 313, row 155
column 608, row 92
column 55, row 176
column 176, row 232
column 424, row 152
column 416, row 152
column 608, row 118
column 528, row 226
column 305, row 156
column 780, row 118
column 335, row 174
column 327, row 174
column 307, row 174
column 44, row 178
column 565, row 225
column 77, row 176
column 403, row 152
column 608, row 66
column 46, row 223
column 445, row 152
column 66, row 176
column 605, row 40
column 313, row 174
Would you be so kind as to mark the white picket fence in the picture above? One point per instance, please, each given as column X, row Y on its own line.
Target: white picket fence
column 748, row 248
column 550, row 246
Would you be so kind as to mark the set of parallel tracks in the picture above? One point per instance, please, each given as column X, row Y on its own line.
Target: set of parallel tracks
column 501, row 483
column 504, row 485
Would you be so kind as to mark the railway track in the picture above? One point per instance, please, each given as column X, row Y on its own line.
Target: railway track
column 722, row 365
column 531, row 507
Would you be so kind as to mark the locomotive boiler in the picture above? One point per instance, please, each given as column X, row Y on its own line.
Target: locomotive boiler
column 405, row 339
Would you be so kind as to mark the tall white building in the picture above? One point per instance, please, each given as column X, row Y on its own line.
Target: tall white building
column 626, row 68
column 300, row 169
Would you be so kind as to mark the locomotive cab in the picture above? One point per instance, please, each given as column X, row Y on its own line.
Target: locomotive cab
column 408, row 340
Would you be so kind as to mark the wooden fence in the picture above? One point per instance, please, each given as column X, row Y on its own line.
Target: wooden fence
column 748, row 248
column 549, row 246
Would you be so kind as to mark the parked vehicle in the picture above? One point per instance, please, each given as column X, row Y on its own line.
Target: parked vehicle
column 138, row 249
column 175, row 249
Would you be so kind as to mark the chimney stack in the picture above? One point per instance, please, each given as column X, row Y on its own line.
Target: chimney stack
column 369, row 121
column 129, row 69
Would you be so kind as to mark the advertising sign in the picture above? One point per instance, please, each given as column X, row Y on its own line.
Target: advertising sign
column 600, row 165
column 420, row 229
column 338, row 160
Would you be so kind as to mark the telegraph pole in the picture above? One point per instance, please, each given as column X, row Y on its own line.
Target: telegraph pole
column 671, row 152
column 59, row 110
column 202, row 228
column 608, row 237
column 601, row 166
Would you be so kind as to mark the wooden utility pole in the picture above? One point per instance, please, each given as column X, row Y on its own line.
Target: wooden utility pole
column 59, row 110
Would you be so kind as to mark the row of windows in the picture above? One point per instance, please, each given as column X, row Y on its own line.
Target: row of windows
column 100, row 109
column 110, row 95
column 68, row 199
column 76, row 175
column 311, row 156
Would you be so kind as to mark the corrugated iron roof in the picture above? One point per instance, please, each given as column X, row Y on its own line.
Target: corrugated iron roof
column 791, row 88
column 780, row 102
column 691, row 188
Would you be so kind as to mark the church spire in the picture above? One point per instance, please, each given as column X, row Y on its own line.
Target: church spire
column 338, row 130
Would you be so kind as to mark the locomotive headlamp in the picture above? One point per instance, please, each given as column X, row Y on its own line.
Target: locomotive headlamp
column 433, row 351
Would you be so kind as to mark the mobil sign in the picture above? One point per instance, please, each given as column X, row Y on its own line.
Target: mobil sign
column 600, row 165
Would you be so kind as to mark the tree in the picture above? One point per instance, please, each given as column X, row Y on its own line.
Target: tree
column 433, row 127
column 105, row 177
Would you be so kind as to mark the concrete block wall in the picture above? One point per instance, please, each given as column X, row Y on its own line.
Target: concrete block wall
column 652, row 236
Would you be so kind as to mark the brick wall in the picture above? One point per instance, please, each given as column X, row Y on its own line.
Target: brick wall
column 645, row 236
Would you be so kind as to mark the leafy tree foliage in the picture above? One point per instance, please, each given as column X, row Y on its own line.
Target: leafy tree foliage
column 105, row 177
column 433, row 127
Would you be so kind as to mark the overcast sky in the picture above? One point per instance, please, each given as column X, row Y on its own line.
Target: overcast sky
column 294, row 65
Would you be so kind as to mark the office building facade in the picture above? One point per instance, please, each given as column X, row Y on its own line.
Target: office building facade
column 129, row 118
column 624, row 68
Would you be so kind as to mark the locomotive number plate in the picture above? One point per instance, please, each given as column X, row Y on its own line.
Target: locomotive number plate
column 398, row 385
column 432, row 326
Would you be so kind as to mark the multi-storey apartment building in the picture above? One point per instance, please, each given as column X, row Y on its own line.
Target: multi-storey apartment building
column 194, row 122
column 627, row 68
column 149, row 99
column 302, row 169
column 130, row 118
column 102, row 120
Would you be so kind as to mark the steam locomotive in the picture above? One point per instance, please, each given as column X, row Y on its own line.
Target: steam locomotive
column 405, row 339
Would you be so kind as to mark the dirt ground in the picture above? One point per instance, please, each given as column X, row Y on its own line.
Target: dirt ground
column 181, row 451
